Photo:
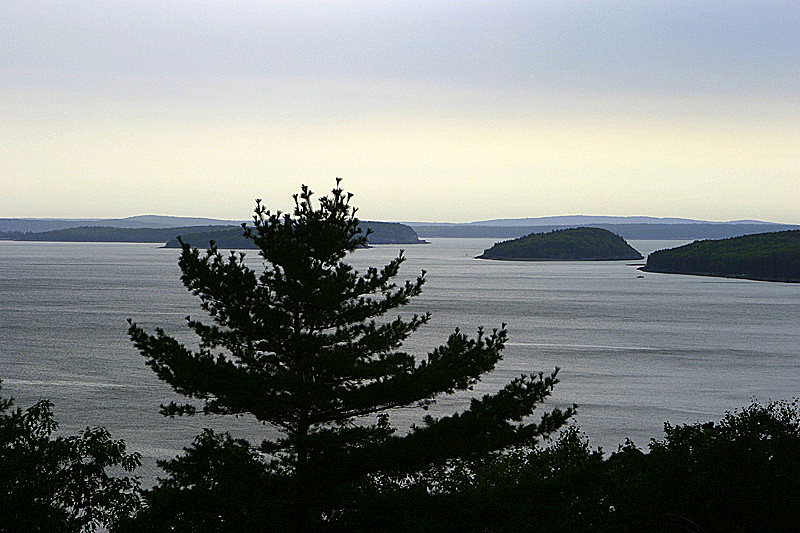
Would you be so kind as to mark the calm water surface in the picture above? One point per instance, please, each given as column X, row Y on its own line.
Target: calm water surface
column 633, row 352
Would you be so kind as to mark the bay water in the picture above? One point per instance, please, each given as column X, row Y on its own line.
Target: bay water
column 635, row 350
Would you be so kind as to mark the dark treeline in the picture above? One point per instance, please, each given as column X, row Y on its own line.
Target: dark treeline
column 739, row 474
column 766, row 256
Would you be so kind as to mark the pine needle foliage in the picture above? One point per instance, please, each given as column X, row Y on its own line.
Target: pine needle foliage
column 305, row 346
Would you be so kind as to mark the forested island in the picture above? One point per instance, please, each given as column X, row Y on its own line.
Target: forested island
column 224, row 236
column 574, row 244
column 765, row 256
column 233, row 238
column 111, row 234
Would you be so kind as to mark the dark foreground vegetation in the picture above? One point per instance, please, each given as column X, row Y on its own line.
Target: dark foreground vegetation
column 739, row 474
column 575, row 244
column 765, row 256
column 51, row 482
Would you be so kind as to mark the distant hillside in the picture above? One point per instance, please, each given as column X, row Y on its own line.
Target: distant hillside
column 765, row 256
column 649, row 231
column 161, row 221
column 39, row 225
column 577, row 244
column 593, row 220
column 583, row 220
column 225, row 236
column 106, row 234
column 627, row 227
column 382, row 233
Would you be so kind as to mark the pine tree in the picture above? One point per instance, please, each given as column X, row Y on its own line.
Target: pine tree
column 305, row 347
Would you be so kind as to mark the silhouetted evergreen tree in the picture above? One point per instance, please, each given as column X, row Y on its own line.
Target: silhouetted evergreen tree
column 303, row 346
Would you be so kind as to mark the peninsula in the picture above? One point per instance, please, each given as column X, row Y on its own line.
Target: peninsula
column 771, row 256
column 574, row 244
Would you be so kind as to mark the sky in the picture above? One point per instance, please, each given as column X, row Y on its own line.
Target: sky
column 447, row 111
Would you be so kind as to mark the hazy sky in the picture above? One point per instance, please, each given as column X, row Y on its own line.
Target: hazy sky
column 429, row 110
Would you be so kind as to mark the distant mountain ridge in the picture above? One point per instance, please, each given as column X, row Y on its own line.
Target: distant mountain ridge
column 164, row 221
column 110, row 234
column 578, row 220
column 591, row 219
column 140, row 221
column 641, row 227
column 627, row 231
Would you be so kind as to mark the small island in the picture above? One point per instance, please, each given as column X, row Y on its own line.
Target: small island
column 574, row 244
column 771, row 256
column 379, row 233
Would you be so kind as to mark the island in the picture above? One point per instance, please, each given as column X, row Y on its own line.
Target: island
column 199, row 236
column 773, row 256
column 380, row 233
column 573, row 244
column 110, row 234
